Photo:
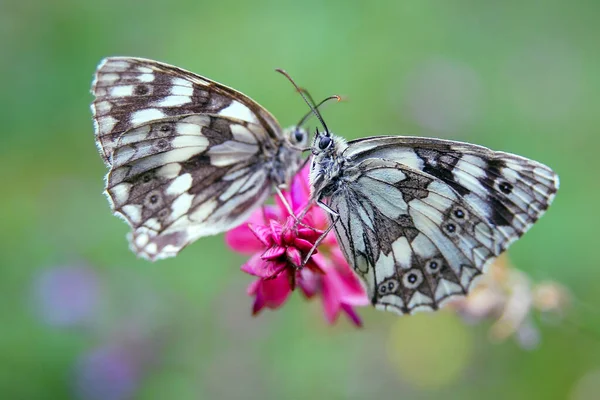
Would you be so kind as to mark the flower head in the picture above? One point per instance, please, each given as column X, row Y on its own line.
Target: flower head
column 286, row 246
column 280, row 245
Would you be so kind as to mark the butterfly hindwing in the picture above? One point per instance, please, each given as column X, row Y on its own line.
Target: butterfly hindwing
column 183, row 177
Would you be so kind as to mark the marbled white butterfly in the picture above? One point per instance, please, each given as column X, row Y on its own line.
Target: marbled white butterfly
column 188, row 157
column 420, row 219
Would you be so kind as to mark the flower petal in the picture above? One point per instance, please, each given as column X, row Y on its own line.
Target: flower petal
column 273, row 252
column 294, row 256
column 254, row 266
column 259, row 300
column 273, row 269
column 352, row 315
column 331, row 299
column 253, row 288
column 288, row 235
column 276, row 230
column 275, row 291
column 309, row 282
column 264, row 269
column 314, row 267
column 352, row 290
column 310, row 235
column 301, row 188
column 281, row 205
column 303, row 245
column 340, row 289
column 242, row 239
column 298, row 193
column 318, row 264
column 262, row 233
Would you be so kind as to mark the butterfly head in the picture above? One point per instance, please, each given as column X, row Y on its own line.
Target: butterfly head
column 327, row 162
column 297, row 137
column 322, row 143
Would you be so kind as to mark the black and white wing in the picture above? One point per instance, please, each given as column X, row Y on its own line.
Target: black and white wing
column 130, row 92
column 420, row 222
column 510, row 192
column 188, row 157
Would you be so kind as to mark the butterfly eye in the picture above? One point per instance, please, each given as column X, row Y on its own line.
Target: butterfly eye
column 324, row 142
column 299, row 136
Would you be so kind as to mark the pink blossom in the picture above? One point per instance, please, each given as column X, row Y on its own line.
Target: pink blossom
column 278, row 245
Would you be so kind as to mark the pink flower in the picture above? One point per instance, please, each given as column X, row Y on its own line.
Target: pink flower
column 279, row 246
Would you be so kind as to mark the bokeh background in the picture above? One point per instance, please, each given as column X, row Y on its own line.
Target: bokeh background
column 81, row 317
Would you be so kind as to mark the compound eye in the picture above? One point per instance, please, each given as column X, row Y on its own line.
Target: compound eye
column 324, row 142
column 299, row 136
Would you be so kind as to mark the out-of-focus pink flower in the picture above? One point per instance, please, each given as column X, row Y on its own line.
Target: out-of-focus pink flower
column 107, row 373
column 279, row 245
column 68, row 295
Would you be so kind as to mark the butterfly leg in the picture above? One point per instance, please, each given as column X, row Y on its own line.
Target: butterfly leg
column 336, row 217
column 327, row 209
column 287, row 205
column 299, row 217
column 288, row 208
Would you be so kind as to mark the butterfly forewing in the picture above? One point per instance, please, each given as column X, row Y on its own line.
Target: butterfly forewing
column 188, row 157
column 130, row 92
column 509, row 191
column 420, row 219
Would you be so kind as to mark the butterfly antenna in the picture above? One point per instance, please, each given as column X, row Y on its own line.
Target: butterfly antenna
column 308, row 114
column 302, row 93
column 310, row 98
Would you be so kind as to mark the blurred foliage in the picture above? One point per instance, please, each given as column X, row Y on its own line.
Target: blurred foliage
column 520, row 76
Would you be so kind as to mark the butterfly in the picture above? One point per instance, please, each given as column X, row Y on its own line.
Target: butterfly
column 420, row 220
column 187, row 156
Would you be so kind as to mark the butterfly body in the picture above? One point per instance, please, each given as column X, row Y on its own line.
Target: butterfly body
column 327, row 168
column 188, row 157
column 419, row 219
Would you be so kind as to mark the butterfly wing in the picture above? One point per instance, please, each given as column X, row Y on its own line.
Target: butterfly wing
column 130, row 92
column 188, row 157
column 417, row 241
column 509, row 191
column 181, row 178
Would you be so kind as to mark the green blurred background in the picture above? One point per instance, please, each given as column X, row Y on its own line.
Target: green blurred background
column 83, row 318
